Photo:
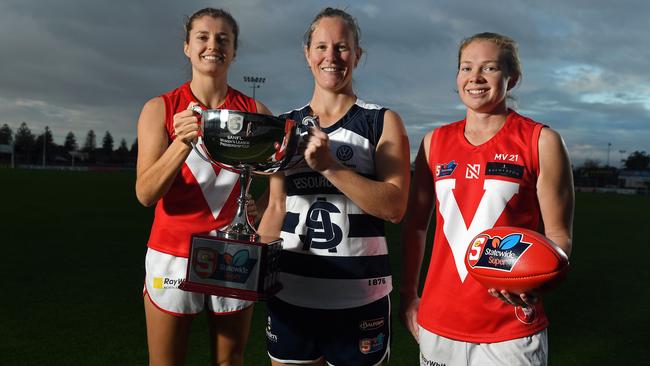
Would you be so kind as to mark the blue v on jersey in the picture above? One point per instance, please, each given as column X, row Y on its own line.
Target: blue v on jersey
column 335, row 255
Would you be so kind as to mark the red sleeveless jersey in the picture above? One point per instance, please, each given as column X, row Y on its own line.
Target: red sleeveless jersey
column 479, row 187
column 203, row 197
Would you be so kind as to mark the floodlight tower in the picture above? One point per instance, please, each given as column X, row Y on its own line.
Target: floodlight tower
column 45, row 144
column 256, row 82
column 609, row 146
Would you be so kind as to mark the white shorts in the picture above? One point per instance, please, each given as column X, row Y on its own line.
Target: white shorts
column 164, row 272
column 526, row 351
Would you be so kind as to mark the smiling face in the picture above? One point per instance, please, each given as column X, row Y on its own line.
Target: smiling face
column 211, row 45
column 332, row 54
column 483, row 79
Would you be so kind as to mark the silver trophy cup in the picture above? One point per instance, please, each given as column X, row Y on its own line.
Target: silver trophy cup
column 238, row 262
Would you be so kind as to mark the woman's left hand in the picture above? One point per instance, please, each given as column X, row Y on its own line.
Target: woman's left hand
column 251, row 210
column 523, row 299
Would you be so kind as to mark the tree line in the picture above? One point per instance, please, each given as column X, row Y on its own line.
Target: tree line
column 30, row 148
column 37, row 149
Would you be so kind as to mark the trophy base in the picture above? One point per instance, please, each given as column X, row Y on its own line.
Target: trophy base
column 236, row 268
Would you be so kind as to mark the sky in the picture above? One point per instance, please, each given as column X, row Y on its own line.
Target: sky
column 80, row 65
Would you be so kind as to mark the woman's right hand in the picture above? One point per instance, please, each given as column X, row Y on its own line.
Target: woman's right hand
column 408, row 313
column 186, row 125
column 317, row 152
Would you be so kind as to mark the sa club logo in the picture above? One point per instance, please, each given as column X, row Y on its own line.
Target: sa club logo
column 495, row 252
column 205, row 260
column 208, row 263
column 235, row 123
column 322, row 233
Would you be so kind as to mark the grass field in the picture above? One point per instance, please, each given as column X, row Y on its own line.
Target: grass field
column 73, row 247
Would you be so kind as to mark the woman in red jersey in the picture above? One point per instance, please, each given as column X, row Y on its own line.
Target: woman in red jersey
column 191, row 196
column 493, row 168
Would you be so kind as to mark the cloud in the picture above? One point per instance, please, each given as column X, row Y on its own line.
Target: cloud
column 75, row 65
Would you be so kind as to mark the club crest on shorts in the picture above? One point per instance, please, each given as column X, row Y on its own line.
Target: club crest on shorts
column 495, row 252
column 372, row 345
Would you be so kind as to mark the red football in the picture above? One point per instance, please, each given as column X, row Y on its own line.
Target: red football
column 515, row 259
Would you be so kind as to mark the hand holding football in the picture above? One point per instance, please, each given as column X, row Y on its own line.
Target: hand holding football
column 515, row 259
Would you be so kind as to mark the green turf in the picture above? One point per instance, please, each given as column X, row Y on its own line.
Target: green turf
column 73, row 249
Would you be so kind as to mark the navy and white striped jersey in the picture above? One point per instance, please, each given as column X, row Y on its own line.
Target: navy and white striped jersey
column 335, row 255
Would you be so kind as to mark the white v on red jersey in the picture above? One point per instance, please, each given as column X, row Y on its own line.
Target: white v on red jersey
column 203, row 196
column 479, row 187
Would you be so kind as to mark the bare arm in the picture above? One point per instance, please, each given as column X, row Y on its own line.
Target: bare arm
column 385, row 197
column 556, row 201
column 271, row 223
column 158, row 161
column 421, row 202
column 261, row 108
column 555, row 190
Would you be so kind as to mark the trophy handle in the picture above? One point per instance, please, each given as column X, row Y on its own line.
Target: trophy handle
column 307, row 123
column 198, row 110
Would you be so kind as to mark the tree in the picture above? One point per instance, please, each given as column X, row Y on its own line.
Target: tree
column 107, row 143
column 637, row 160
column 45, row 147
column 123, row 149
column 591, row 164
column 134, row 148
column 25, row 140
column 70, row 143
column 121, row 155
column 49, row 140
column 6, row 135
column 91, row 142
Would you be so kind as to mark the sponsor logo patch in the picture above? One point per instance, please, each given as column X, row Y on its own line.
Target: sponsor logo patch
column 271, row 337
column 344, row 153
column 372, row 345
column 497, row 253
column 472, row 171
column 445, row 170
column 164, row 283
column 371, row 324
column 236, row 267
column 428, row 362
column 505, row 170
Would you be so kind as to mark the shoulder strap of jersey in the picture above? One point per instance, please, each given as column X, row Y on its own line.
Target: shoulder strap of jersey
column 537, row 130
column 432, row 147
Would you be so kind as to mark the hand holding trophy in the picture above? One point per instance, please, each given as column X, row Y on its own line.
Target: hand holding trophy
column 238, row 262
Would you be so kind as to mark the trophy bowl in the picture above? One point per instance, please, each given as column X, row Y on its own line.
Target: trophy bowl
column 238, row 262
column 239, row 140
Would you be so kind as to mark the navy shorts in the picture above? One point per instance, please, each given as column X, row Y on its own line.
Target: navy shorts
column 354, row 336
